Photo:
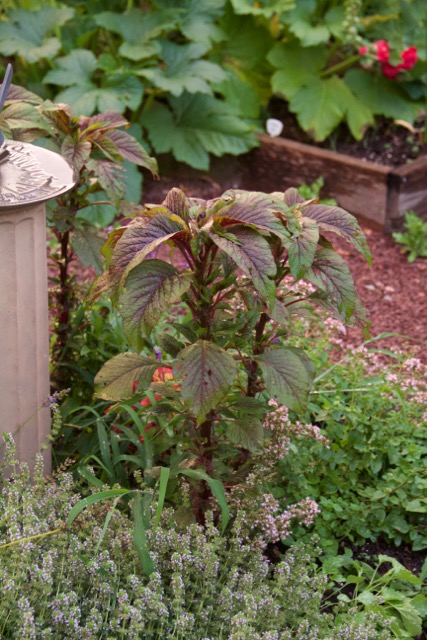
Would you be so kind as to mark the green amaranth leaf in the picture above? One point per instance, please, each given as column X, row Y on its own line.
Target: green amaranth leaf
column 207, row 373
column 124, row 375
column 246, row 432
column 26, row 33
column 252, row 253
column 330, row 273
column 110, row 176
column 137, row 241
column 288, row 376
column 150, row 289
column 197, row 125
column 87, row 246
column 339, row 221
column 303, row 248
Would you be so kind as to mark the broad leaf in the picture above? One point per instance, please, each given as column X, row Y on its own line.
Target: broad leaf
column 124, row 375
column 246, row 7
column 382, row 96
column 87, row 246
column 197, row 125
column 150, row 289
column 339, row 221
column 303, row 248
column 130, row 149
column 178, row 203
column 138, row 240
column 288, row 376
column 110, row 176
column 246, row 432
column 184, row 70
column 252, row 253
column 196, row 19
column 297, row 66
column 77, row 152
column 207, row 373
column 330, row 273
column 29, row 34
column 139, row 29
column 75, row 68
column 262, row 210
column 318, row 108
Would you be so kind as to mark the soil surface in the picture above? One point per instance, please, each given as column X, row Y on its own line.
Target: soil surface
column 393, row 290
column 389, row 143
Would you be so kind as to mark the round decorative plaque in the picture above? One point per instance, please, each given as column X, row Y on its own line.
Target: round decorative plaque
column 31, row 174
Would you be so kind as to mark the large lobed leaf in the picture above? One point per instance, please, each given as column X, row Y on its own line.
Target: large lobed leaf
column 206, row 373
column 149, row 291
column 288, row 376
column 124, row 375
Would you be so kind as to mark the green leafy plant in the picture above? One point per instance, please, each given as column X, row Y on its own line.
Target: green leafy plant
column 414, row 238
column 227, row 353
column 96, row 147
column 369, row 478
column 388, row 589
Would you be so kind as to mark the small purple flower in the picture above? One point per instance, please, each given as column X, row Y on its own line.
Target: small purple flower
column 158, row 354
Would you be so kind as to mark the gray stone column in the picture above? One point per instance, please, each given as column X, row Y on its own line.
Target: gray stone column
column 24, row 330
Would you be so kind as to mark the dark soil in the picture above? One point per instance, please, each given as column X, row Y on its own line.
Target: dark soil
column 389, row 143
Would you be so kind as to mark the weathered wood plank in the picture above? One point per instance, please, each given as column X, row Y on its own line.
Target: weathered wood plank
column 358, row 186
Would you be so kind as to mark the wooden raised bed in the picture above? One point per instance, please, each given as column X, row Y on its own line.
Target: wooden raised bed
column 371, row 191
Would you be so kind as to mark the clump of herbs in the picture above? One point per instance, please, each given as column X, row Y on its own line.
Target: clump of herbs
column 414, row 237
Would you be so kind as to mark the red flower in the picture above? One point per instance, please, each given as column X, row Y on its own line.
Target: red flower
column 383, row 50
column 363, row 50
column 409, row 57
column 389, row 70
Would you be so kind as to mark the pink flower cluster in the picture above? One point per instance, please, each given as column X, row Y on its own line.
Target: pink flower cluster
column 409, row 58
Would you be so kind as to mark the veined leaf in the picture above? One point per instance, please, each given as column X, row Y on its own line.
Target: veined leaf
column 330, row 273
column 339, row 221
column 196, row 19
column 318, row 107
column 288, row 376
column 256, row 208
column 76, row 152
column 184, row 70
column 297, row 66
column 246, row 432
column 110, row 176
column 150, row 289
column 75, row 68
column 26, row 33
column 303, row 248
column 116, row 380
column 130, row 149
column 138, row 240
column 198, row 124
column 207, row 373
column 251, row 252
column 178, row 203
column 87, row 246
column 139, row 29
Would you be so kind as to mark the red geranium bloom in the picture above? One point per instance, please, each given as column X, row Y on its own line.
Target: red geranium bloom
column 389, row 70
column 383, row 50
column 409, row 57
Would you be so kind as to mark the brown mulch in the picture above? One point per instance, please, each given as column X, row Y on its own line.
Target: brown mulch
column 393, row 290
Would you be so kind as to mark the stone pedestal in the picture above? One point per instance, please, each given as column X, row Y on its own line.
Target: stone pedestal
column 28, row 178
